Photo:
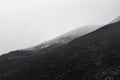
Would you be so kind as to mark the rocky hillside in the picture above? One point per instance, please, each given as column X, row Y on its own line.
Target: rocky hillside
column 94, row 56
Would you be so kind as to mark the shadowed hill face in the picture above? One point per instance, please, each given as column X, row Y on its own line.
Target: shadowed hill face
column 95, row 56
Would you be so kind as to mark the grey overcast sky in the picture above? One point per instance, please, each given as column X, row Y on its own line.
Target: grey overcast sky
column 25, row 23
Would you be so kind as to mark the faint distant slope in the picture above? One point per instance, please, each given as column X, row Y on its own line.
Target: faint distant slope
column 65, row 38
column 52, row 44
column 116, row 20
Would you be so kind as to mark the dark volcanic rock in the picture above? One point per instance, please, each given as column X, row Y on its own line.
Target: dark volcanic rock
column 95, row 56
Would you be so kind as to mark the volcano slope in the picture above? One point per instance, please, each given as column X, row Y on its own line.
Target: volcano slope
column 95, row 56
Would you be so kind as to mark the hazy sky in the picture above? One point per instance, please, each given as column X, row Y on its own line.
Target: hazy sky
column 24, row 23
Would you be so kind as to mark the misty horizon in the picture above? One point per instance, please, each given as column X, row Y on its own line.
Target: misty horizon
column 28, row 23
